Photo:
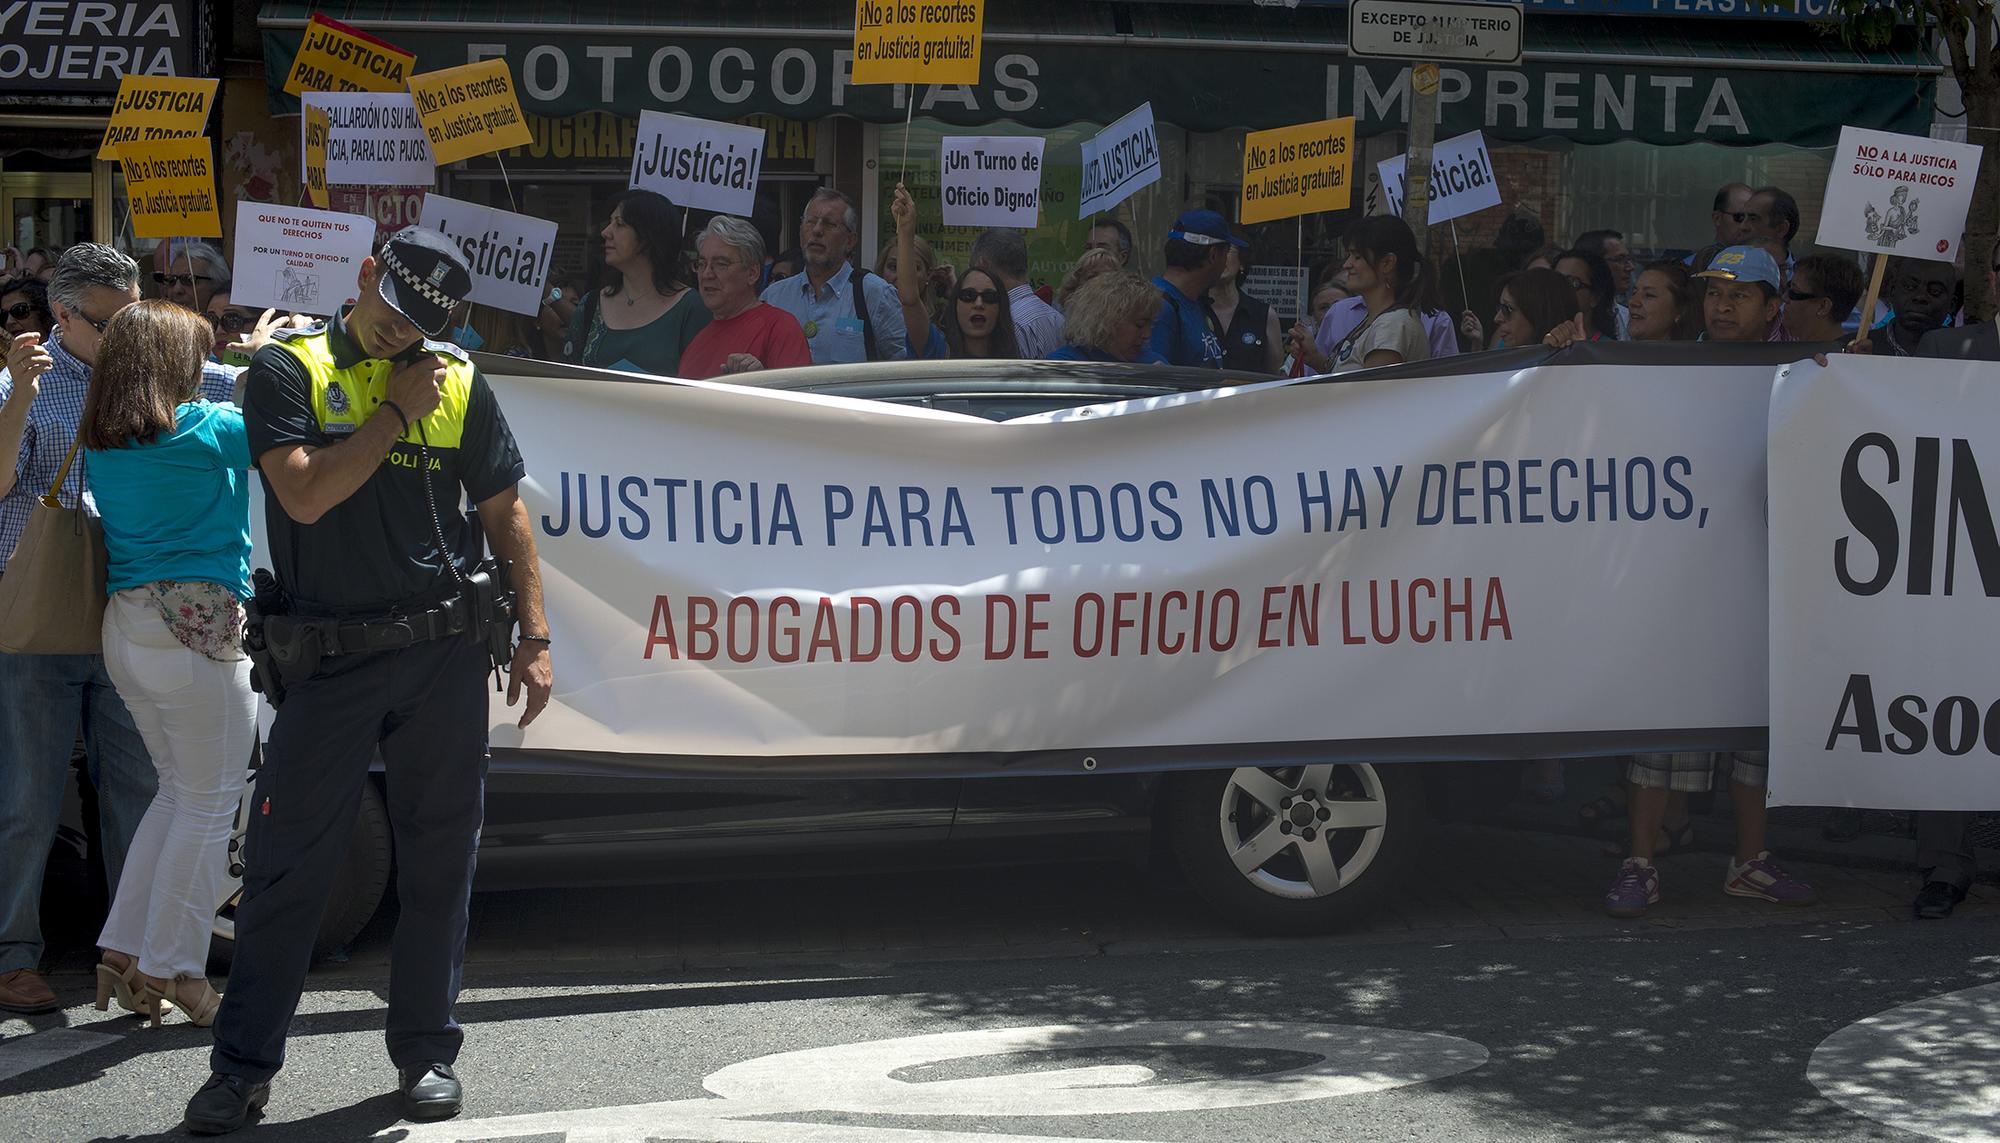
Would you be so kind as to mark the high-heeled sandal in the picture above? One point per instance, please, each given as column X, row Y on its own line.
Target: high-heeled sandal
column 121, row 983
column 193, row 995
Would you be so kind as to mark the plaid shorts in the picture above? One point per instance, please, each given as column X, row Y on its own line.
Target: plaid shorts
column 1694, row 773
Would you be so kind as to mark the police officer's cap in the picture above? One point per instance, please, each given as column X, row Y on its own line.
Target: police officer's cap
column 423, row 277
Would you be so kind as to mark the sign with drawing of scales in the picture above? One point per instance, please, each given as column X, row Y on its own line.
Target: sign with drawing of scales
column 1898, row 194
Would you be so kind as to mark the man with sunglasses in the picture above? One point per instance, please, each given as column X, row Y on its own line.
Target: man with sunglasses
column 1823, row 291
column 43, row 697
column 189, row 273
column 1733, row 220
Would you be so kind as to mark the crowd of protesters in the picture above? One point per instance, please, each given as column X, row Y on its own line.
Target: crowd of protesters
column 722, row 303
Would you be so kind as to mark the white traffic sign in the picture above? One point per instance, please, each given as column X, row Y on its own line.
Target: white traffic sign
column 1435, row 30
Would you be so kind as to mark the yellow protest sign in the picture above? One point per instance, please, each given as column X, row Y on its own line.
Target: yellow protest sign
column 1298, row 170
column 153, row 107
column 469, row 110
column 335, row 57
column 917, row 41
column 171, row 186
column 318, row 126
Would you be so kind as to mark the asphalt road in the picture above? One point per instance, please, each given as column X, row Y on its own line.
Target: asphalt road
column 1760, row 1032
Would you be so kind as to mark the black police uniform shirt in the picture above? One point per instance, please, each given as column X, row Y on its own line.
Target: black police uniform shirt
column 377, row 548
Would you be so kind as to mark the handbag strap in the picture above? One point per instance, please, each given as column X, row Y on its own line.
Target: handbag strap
column 53, row 497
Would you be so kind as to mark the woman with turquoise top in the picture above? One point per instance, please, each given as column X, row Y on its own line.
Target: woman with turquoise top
column 647, row 312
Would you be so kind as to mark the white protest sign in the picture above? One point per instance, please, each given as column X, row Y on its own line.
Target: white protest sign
column 1462, row 178
column 375, row 139
column 698, row 163
column 992, row 180
column 508, row 253
column 1898, row 194
column 298, row 259
column 1119, row 161
column 1885, row 566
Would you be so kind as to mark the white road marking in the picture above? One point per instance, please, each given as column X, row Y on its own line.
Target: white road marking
column 1932, row 1067
column 861, row 1078
column 23, row 1055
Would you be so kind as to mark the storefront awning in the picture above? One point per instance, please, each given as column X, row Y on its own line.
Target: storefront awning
column 1052, row 62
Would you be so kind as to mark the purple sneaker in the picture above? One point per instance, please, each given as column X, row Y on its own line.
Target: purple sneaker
column 1636, row 890
column 1766, row 880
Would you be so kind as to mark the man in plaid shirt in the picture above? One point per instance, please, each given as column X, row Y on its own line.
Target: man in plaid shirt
column 43, row 698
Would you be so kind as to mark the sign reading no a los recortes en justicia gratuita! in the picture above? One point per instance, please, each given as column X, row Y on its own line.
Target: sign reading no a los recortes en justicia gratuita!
column 1434, row 30
column 1898, row 194
column 470, row 110
column 1297, row 170
column 698, row 163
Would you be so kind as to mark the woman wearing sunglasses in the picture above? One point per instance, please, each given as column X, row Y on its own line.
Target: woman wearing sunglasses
column 978, row 322
column 230, row 323
column 24, row 307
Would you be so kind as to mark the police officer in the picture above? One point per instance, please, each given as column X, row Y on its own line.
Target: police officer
column 369, row 436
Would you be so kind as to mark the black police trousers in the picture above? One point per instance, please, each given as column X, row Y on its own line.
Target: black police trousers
column 426, row 706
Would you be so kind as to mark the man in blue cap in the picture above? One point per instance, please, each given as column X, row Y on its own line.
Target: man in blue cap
column 378, row 631
column 1197, row 251
column 1741, row 303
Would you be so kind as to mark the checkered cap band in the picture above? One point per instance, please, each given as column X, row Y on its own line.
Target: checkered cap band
column 403, row 274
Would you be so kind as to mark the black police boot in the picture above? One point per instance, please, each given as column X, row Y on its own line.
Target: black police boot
column 1937, row 899
column 430, row 1091
column 224, row 1104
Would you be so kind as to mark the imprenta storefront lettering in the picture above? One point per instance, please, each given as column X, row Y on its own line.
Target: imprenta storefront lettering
column 86, row 45
column 1558, row 102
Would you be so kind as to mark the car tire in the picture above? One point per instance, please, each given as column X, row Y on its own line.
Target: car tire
column 358, row 884
column 1227, row 831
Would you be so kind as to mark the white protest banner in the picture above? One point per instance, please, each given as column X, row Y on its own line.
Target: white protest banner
column 744, row 573
column 1898, row 194
column 991, row 180
column 507, row 253
column 1885, row 585
column 698, row 163
column 1119, row 161
column 293, row 258
column 374, row 138
column 1462, row 178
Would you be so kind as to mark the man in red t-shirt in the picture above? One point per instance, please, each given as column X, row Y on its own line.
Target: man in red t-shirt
column 743, row 333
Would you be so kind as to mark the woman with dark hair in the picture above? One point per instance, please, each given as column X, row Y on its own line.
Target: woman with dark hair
column 1532, row 303
column 1596, row 297
column 979, row 322
column 171, row 477
column 1251, row 340
column 1384, row 267
column 646, row 314
column 24, row 307
column 1663, row 306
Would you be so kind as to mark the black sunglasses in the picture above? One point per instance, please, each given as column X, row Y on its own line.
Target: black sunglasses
column 19, row 311
column 180, row 279
column 1801, row 296
column 1576, row 283
column 231, row 321
column 990, row 297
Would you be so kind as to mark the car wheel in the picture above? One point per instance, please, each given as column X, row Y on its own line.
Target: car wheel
column 358, row 884
column 1295, row 849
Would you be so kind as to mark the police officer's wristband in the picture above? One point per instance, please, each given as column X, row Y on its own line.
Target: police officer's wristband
column 544, row 640
column 400, row 414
